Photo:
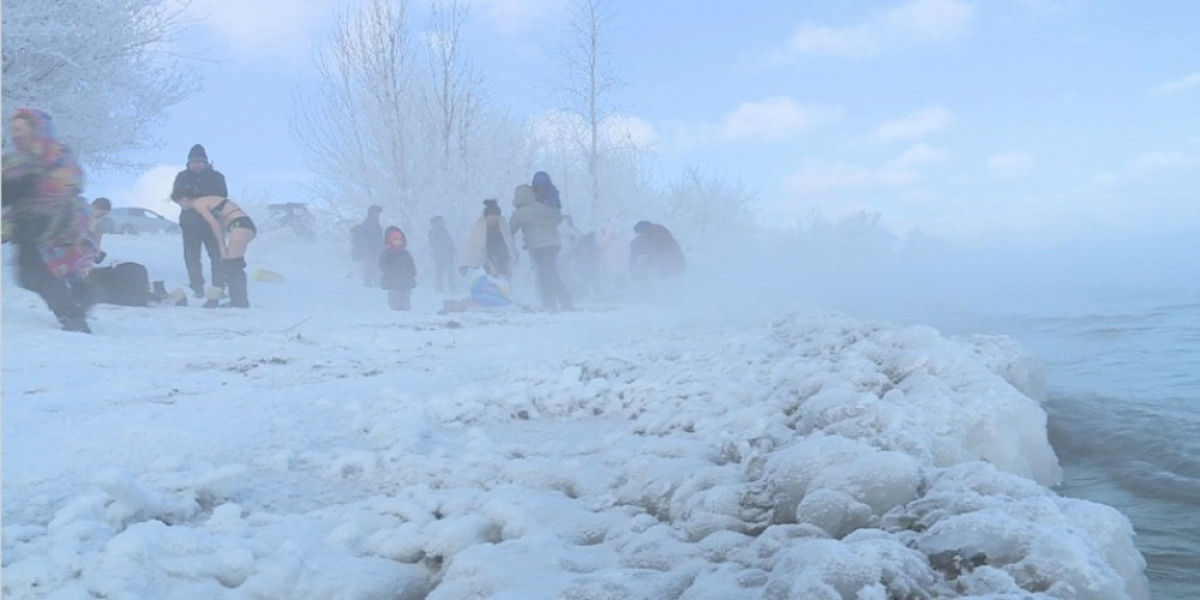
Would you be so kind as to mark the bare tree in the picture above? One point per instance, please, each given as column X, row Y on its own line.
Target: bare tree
column 456, row 101
column 704, row 204
column 100, row 67
column 355, row 127
column 590, row 82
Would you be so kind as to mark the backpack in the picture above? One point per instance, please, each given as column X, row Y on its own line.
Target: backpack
column 125, row 284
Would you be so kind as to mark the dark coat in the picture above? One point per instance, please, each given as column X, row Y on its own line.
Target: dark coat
column 655, row 249
column 194, row 184
column 367, row 238
column 396, row 262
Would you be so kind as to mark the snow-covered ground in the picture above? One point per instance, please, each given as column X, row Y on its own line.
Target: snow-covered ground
column 320, row 446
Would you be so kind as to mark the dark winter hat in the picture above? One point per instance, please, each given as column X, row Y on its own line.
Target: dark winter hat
column 375, row 209
column 197, row 153
column 642, row 227
column 491, row 207
column 542, row 179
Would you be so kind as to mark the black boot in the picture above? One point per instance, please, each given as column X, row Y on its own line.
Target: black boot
column 75, row 323
column 234, row 270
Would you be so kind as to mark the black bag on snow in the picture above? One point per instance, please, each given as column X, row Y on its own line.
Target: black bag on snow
column 125, row 284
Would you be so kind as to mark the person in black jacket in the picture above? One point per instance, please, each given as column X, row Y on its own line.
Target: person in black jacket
column 366, row 240
column 199, row 179
column 444, row 256
column 399, row 270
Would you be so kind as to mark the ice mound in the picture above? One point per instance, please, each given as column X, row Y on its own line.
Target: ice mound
column 815, row 456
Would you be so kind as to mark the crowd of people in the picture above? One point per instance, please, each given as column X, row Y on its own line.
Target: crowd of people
column 591, row 266
column 57, row 236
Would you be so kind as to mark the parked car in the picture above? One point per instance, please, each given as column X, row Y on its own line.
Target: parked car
column 133, row 220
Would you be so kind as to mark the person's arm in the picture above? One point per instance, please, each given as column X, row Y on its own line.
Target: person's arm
column 203, row 207
column 219, row 182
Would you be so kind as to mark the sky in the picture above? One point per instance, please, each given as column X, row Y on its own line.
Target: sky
column 1027, row 120
column 319, row 445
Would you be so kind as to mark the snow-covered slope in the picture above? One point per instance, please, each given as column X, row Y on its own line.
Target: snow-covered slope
column 319, row 445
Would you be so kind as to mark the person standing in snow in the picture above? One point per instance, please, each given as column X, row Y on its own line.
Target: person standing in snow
column 490, row 244
column 444, row 256
column 366, row 241
column 398, row 269
column 199, row 179
column 47, row 218
column 546, row 192
column 100, row 209
column 654, row 254
column 538, row 223
column 234, row 231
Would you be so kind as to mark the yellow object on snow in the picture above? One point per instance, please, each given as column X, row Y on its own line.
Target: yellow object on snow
column 267, row 276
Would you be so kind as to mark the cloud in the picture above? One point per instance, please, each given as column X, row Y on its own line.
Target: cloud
column 776, row 118
column 904, row 170
column 1010, row 166
column 913, row 125
column 913, row 23
column 151, row 189
column 266, row 29
column 1185, row 83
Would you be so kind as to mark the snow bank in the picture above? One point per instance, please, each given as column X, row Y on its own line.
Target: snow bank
column 621, row 454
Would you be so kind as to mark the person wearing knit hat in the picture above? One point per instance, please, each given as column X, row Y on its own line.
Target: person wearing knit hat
column 199, row 179
column 489, row 243
column 197, row 154
column 399, row 272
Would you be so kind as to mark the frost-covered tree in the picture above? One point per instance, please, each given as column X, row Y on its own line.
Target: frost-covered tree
column 589, row 83
column 101, row 68
column 705, row 205
column 357, row 126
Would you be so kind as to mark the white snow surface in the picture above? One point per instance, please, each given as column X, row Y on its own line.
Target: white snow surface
column 319, row 445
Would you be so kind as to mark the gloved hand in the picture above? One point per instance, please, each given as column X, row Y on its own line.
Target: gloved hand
column 100, row 256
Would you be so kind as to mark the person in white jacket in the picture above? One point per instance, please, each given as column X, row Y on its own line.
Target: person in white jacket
column 489, row 244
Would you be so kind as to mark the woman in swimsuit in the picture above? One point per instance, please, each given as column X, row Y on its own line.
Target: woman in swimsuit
column 235, row 230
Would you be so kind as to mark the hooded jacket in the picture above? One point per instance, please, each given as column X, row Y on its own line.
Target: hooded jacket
column 42, row 190
column 396, row 262
column 538, row 222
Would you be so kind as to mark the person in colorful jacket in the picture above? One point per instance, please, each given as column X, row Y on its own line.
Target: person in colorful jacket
column 399, row 272
column 47, row 218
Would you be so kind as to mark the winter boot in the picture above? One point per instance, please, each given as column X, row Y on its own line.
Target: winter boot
column 234, row 270
column 75, row 324
column 212, row 297
column 178, row 297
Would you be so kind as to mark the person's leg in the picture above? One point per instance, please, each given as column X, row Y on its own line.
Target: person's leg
column 55, row 292
column 551, row 285
column 213, row 248
column 394, row 300
column 557, row 287
column 193, row 237
column 233, row 268
column 440, row 278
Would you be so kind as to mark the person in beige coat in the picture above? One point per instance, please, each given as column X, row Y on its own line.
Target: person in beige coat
column 538, row 223
column 489, row 244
